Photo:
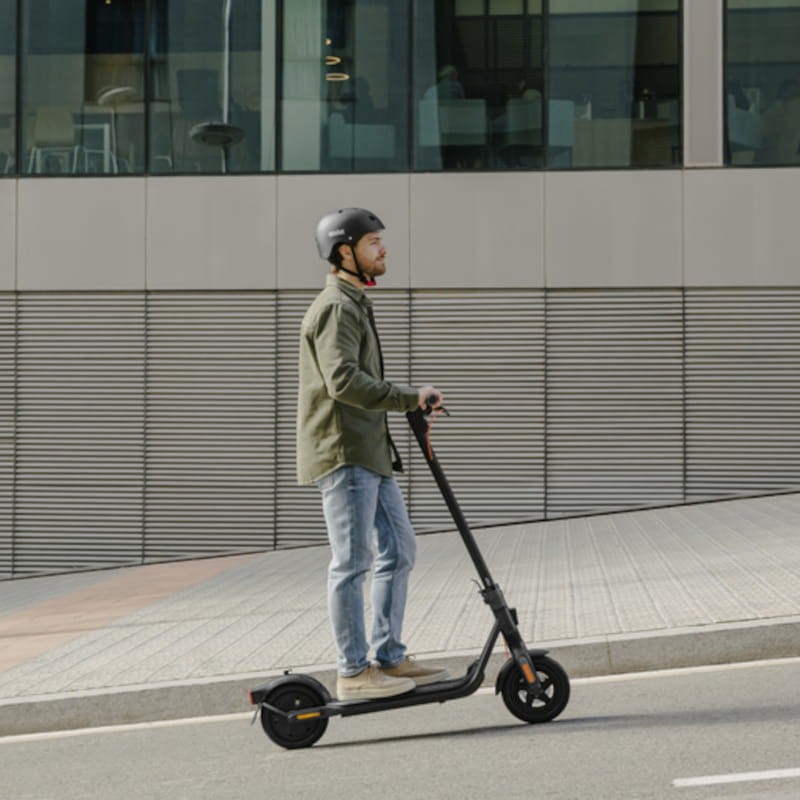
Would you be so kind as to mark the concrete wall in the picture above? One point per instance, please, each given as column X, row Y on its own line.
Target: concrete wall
column 671, row 228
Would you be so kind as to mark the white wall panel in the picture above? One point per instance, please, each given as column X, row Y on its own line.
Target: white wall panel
column 211, row 232
column 741, row 227
column 613, row 229
column 84, row 234
column 8, row 235
column 479, row 230
column 303, row 199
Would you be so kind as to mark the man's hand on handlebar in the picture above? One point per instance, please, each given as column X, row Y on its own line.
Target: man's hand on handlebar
column 431, row 401
column 430, row 397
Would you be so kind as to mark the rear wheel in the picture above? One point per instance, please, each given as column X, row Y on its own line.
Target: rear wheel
column 551, row 700
column 299, row 733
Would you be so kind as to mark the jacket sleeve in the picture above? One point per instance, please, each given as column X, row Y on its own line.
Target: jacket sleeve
column 337, row 343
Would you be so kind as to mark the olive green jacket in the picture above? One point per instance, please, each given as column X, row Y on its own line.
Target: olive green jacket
column 342, row 397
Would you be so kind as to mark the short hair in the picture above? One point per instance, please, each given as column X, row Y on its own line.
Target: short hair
column 335, row 257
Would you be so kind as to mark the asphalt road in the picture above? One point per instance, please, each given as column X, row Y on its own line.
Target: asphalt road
column 722, row 732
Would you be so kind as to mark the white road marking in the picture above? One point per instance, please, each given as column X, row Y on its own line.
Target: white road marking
column 680, row 671
column 133, row 726
column 737, row 777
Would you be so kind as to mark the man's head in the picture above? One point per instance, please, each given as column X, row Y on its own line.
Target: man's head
column 350, row 239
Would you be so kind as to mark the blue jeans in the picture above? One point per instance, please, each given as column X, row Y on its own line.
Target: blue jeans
column 367, row 519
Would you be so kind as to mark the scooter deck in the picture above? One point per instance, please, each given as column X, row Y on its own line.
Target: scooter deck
column 441, row 692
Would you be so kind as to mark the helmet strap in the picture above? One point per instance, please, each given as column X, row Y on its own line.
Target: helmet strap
column 359, row 273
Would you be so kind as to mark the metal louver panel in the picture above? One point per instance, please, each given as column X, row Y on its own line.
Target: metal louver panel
column 7, row 413
column 486, row 352
column 743, row 390
column 138, row 427
column 80, row 420
column 299, row 518
column 210, row 423
column 614, row 400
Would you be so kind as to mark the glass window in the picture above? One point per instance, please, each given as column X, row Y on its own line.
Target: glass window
column 763, row 81
column 8, row 86
column 614, row 83
column 477, row 84
column 82, row 70
column 212, row 86
column 344, row 101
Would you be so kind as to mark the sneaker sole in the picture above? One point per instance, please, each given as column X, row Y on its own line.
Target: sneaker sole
column 375, row 694
column 429, row 679
column 425, row 680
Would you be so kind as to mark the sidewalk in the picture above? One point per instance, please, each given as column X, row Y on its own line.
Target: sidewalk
column 638, row 590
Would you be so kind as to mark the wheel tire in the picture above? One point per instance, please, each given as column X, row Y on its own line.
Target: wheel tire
column 292, row 735
column 543, row 708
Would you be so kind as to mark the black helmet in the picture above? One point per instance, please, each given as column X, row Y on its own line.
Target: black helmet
column 345, row 226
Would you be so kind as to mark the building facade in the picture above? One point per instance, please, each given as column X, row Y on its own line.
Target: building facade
column 590, row 208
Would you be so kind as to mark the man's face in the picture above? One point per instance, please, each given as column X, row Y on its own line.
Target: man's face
column 371, row 254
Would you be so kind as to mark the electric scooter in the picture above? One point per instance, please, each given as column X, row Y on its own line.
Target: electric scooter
column 295, row 709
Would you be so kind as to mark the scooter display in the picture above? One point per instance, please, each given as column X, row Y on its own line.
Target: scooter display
column 295, row 708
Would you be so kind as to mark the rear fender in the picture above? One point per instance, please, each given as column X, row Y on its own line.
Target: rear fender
column 260, row 693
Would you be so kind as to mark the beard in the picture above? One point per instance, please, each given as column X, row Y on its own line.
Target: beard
column 375, row 269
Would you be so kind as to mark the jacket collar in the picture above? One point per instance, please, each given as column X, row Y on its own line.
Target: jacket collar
column 353, row 292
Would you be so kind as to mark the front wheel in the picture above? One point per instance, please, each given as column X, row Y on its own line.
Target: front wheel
column 548, row 704
column 300, row 733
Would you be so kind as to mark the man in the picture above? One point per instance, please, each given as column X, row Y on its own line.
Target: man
column 344, row 446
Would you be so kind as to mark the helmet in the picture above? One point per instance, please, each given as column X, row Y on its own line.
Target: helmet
column 345, row 226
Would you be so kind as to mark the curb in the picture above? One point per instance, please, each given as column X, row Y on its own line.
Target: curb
column 604, row 655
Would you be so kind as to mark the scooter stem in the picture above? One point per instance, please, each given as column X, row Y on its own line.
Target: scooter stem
column 418, row 420
column 492, row 594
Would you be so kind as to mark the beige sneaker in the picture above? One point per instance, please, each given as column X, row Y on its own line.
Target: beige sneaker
column 421, row 676
column 371, row 684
